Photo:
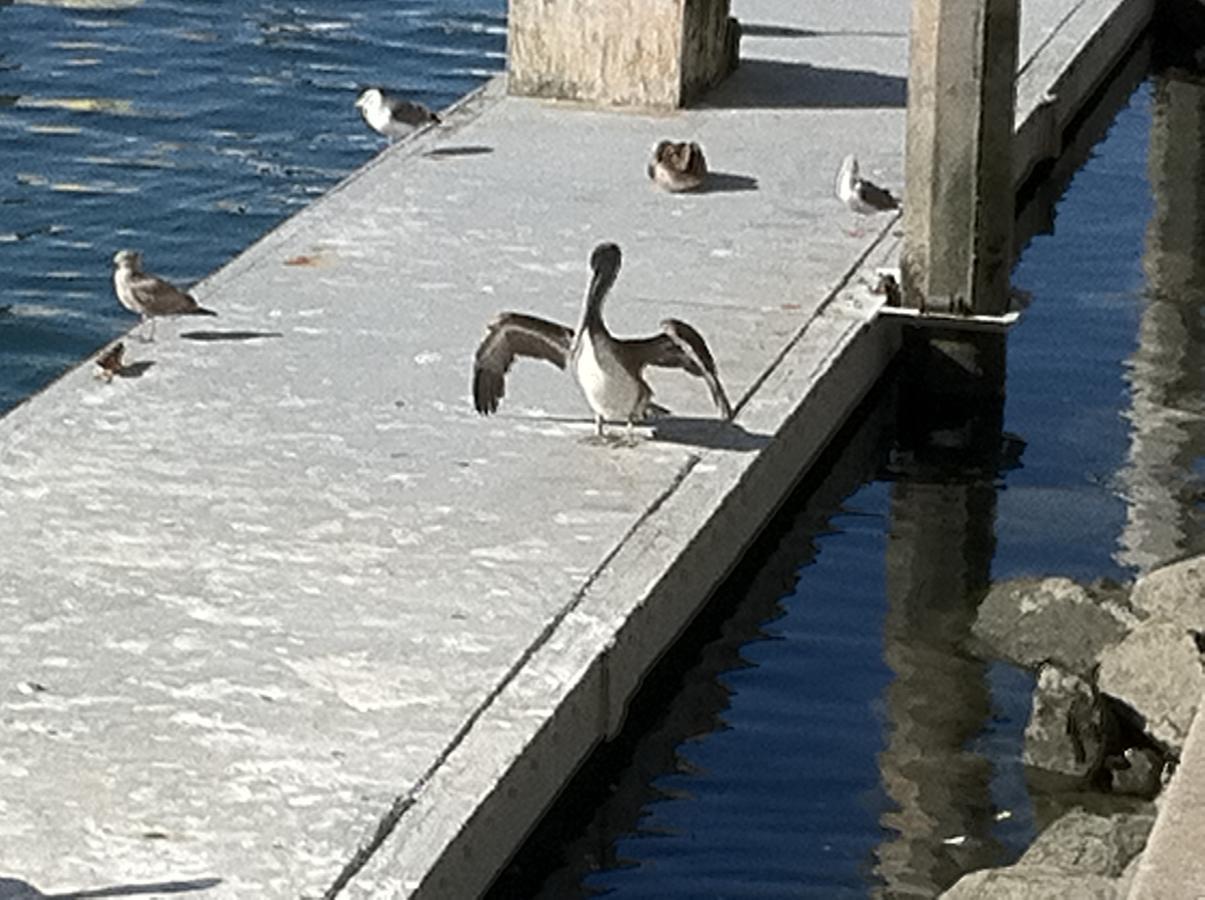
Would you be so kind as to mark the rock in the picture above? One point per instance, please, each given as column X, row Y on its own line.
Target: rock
column 1140, row 772
column 1071, row 729
column 1079, row 857
column 1083, row 843
column 1175, row 592
column 1157, row 672
column 1031, row 883
column 1030, row 621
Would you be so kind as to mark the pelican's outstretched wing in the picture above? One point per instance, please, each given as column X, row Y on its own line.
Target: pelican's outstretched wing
column 510, row 335
column 679, row 346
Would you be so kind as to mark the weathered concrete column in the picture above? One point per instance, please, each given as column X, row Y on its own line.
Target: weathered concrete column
column 658, row 53
column 958, row 210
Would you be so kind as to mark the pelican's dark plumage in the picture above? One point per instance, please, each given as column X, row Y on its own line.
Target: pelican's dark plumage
column 609, row 370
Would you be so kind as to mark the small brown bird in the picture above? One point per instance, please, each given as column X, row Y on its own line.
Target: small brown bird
column 111, row 362
column 147, row 295
column 678, row 167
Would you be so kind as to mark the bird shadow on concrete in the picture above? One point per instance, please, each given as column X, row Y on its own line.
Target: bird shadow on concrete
column 134, row 369
column 774, row 84
column 228, row 335
column 16, row 889
column 456, row 152
column 724, row 182
column 710, row 434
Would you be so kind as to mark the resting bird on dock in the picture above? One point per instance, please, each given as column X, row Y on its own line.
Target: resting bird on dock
column 111, row 362
column 392, row 116
column 678, row 166
column 147, row 295
column 862, row 196
column 609, row 370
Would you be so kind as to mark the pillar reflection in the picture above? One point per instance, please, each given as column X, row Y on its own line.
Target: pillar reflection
column 938, row 564
column 1163, row 480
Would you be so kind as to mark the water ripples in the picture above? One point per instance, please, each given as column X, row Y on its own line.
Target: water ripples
column 187, row 130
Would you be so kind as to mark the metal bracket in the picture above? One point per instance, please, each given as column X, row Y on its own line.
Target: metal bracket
column 888, row 283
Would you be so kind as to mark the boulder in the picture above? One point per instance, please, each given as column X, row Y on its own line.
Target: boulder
column 1088, row 844
column 1071, row 728
column 1080, row 857
column 1157, row 672
column 1030, row 621
column 1032, row 883
column 1175, row 593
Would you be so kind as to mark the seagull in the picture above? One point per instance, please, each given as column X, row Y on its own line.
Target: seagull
column 678, row 167
column 609, row 370
column 862, row 196
column 392, row 116
column 147, row 295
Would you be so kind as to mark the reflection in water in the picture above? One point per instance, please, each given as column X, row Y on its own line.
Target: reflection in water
column 938, row 561
column 1164, row 482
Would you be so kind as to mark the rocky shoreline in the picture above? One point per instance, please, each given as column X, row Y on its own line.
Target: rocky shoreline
column 1120, row 672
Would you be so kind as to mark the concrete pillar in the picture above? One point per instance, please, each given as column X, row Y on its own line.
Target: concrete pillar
column 958, row 209
column 648, row 53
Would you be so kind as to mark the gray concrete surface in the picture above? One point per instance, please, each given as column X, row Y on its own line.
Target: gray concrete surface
column 284, row 617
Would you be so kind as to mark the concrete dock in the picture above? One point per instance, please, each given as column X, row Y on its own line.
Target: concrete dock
column 283, row 617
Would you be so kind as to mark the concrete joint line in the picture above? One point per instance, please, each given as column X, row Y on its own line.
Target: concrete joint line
column 841, row 284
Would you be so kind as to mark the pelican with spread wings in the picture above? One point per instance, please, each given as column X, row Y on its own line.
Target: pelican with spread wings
column 609, row 370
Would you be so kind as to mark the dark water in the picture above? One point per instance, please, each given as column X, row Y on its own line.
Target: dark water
column 186, row 130
column 825, row 729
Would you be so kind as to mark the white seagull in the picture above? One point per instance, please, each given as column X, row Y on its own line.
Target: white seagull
column 393, row 116
column 147, row 295
column 863, row 197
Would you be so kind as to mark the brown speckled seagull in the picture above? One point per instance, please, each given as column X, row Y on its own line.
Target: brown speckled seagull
column 609, row 370
column 147, row 295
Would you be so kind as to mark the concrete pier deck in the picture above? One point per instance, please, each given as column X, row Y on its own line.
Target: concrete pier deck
column 283, row 617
